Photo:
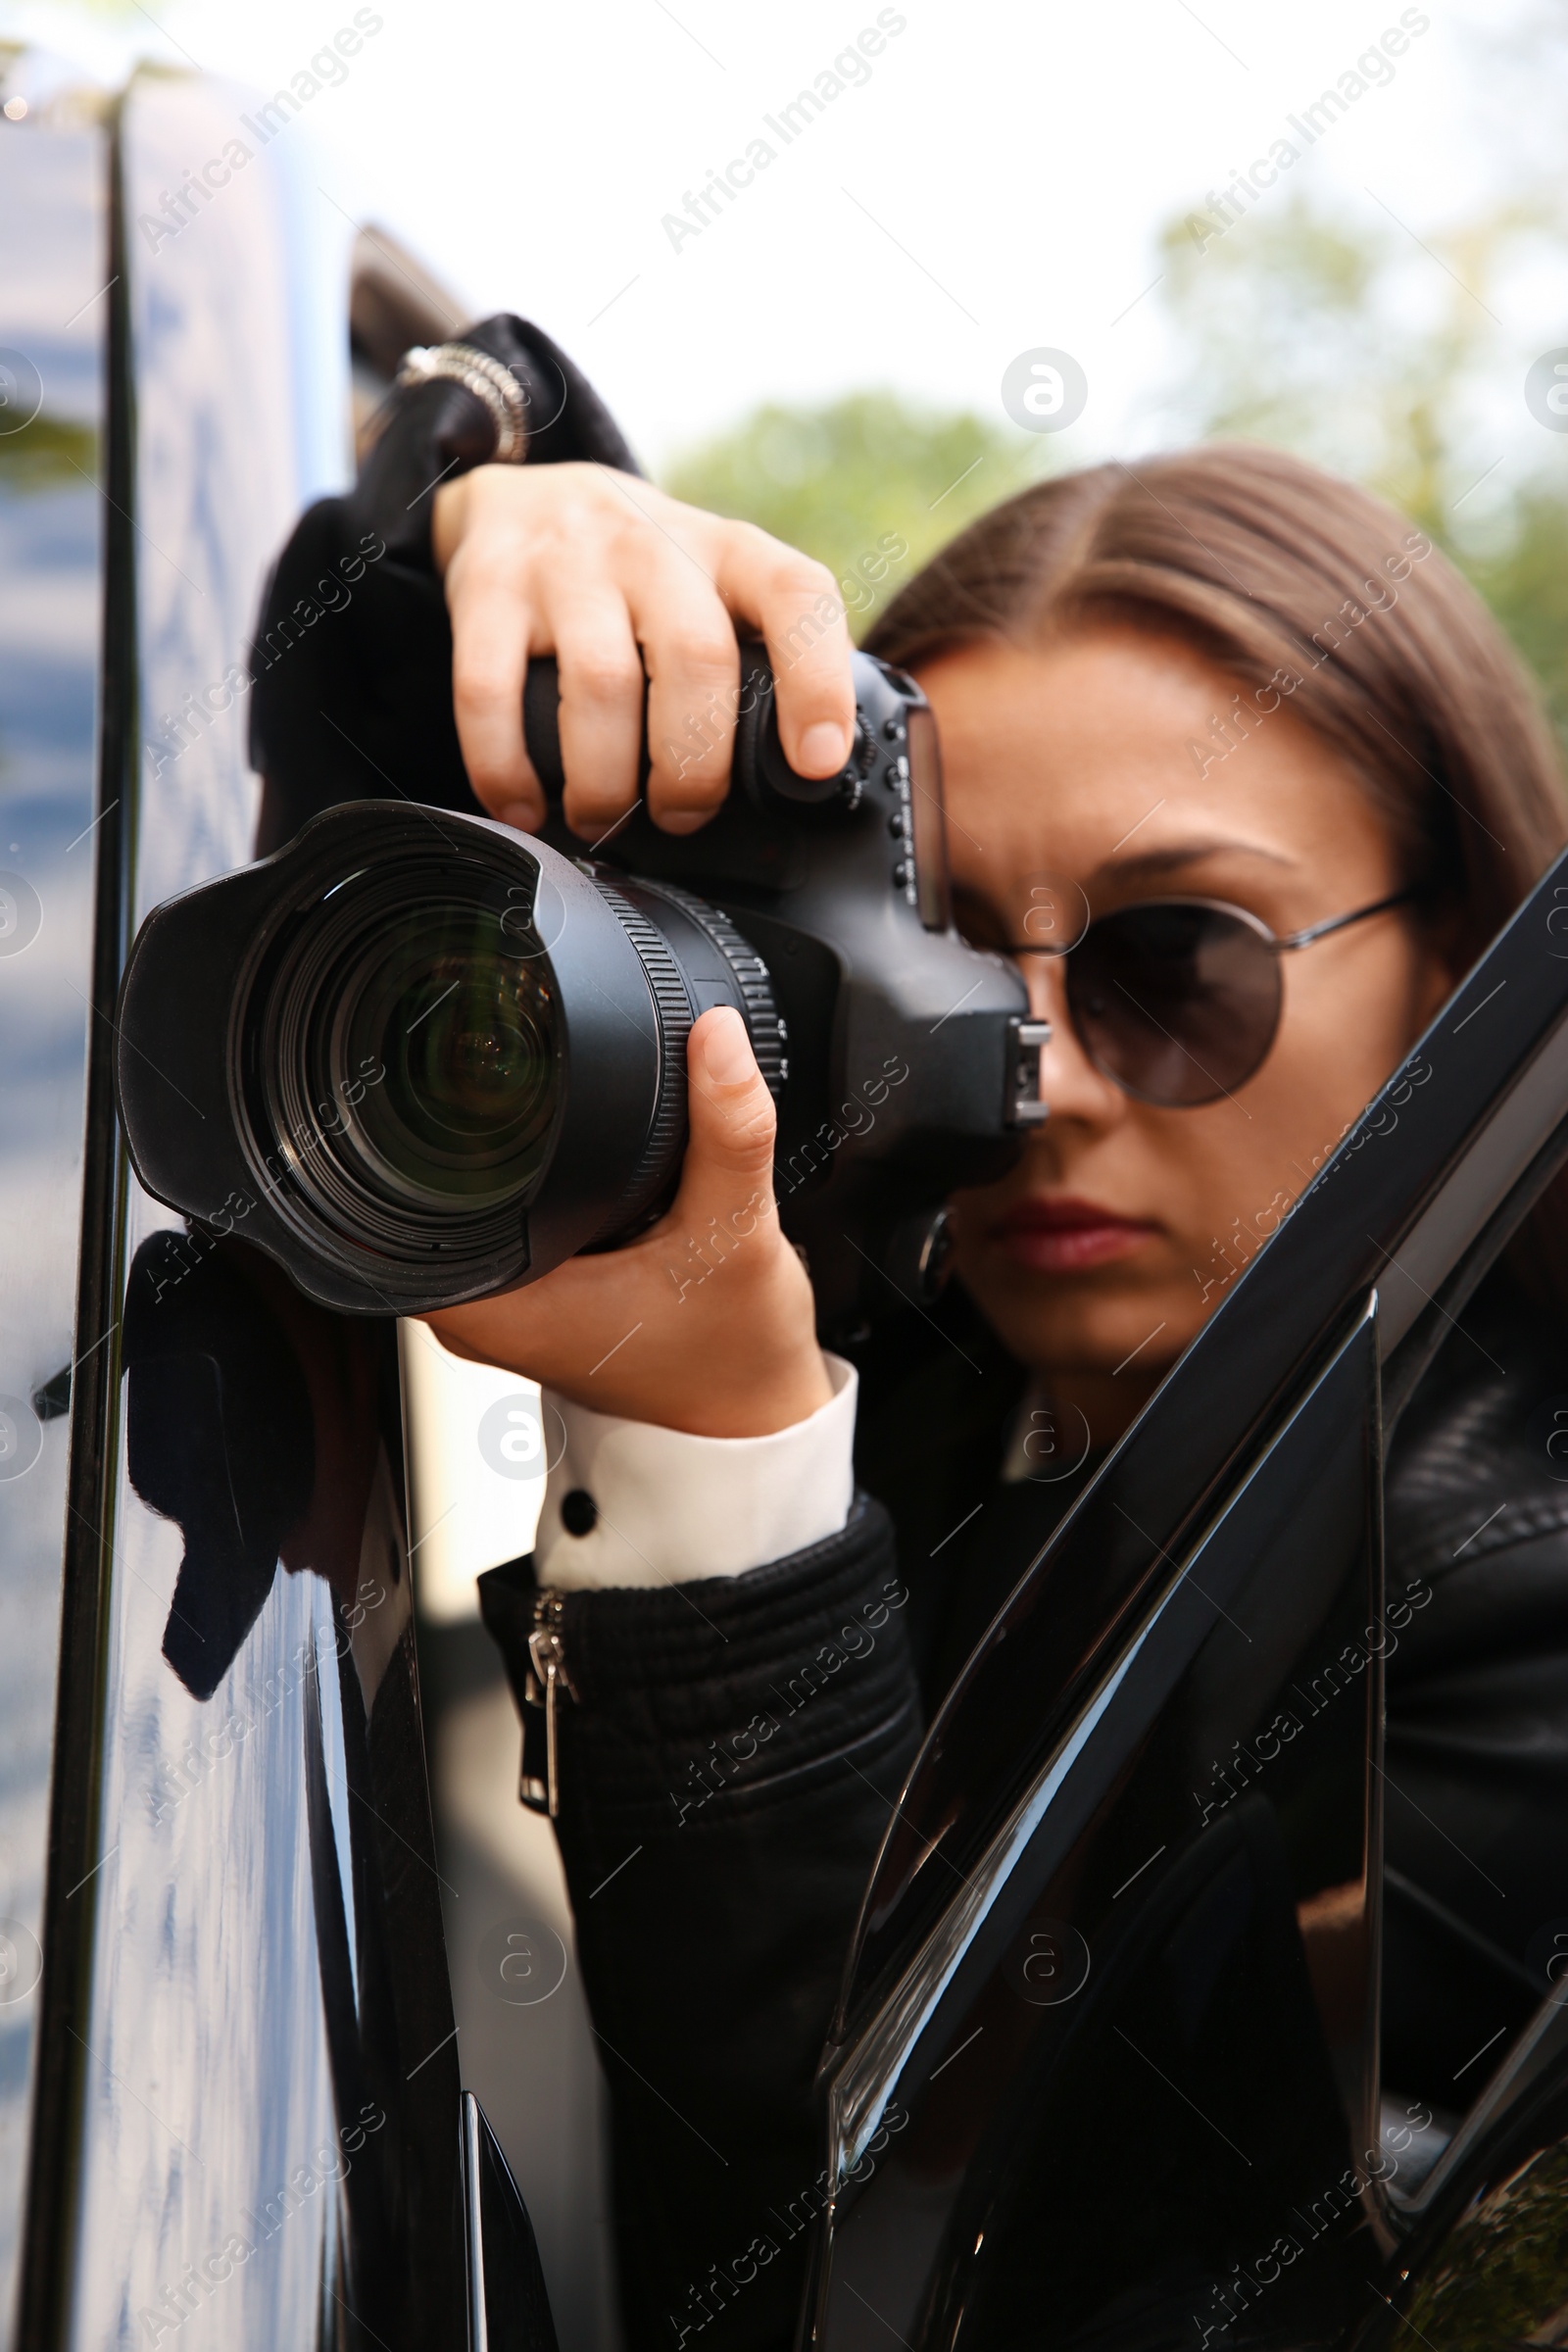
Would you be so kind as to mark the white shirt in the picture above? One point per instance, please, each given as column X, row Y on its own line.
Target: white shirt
column 670, row 1507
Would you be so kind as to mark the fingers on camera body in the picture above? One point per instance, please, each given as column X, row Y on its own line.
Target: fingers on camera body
column 490, row 624
column 794, row 605
column 665, row 589
column 679, row 621
column 600, row 677
column 759, row 587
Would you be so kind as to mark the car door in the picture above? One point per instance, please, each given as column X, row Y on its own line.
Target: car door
column 1108, row 2066
column 230, row 2108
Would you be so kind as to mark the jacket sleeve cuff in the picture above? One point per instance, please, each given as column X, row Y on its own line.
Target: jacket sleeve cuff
column 669, row 1508
column 436, row 429
column 809, row 1656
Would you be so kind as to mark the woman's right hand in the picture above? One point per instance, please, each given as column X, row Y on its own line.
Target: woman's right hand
column 591, row 565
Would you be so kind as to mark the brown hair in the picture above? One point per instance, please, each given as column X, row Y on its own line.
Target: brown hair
column 1279, row 572
column 1299, row 585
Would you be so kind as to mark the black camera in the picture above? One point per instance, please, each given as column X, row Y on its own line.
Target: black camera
column 417, row 1056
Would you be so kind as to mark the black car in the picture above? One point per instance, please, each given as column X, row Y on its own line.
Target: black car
column 230, row 2108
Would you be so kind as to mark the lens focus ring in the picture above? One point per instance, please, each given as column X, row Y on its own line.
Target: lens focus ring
column 679, row 998
column 760, row 1011
column 666, row 1131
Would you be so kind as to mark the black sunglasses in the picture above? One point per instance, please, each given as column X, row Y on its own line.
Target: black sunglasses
column 1178, row 1000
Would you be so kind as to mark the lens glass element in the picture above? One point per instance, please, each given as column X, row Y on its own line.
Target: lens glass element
column 403, row 1054
column 465, row 1033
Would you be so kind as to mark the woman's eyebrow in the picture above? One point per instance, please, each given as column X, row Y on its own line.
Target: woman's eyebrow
column 1186, row 852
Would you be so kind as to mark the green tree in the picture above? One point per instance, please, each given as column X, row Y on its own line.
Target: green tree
column 870, row 485
column 1372, row 355
column 1524, row 578
column 49, row 453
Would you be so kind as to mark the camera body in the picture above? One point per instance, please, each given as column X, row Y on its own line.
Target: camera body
column 419, row 1056
column 911, row 1062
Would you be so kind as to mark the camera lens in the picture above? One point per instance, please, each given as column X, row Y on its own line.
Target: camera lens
column 464, row 1032
column 416, row 1058
column 402, row 1057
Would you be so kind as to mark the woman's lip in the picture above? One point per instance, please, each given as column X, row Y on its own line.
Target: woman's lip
column 1066, row 1235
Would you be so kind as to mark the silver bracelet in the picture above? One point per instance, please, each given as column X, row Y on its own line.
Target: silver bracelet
column 486, row 379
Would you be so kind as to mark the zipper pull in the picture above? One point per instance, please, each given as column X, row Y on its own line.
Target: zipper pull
column 547, row 1680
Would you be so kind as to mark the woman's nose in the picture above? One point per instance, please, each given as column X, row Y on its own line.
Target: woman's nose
column 1043, row 976
column 1069, row 1083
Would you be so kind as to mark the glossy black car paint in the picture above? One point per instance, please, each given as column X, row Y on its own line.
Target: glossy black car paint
column 237, row 2067
column 54, row 528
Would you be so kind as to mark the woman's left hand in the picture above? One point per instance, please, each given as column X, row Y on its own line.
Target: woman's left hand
column 705, row 1323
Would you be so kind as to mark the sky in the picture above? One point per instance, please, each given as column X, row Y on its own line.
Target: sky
column 990, row 179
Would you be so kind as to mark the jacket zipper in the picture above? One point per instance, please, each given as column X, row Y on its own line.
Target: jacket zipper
column 548, row 1680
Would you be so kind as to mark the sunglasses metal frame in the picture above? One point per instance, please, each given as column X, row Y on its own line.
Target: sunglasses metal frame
column 1272, row 941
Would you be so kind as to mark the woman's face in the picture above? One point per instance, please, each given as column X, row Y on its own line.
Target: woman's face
column 1124, row 1225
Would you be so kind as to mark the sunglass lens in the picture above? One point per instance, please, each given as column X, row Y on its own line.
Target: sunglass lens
column 1177, row 1002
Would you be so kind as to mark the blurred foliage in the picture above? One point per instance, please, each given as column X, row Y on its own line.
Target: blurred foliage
column 1373, row 355
column 47, row 454
column 1498, row 2278
column 1524, row 578
column 857, row 481
column 1352, row 344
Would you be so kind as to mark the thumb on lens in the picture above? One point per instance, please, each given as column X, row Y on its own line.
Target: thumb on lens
column 728, row 1104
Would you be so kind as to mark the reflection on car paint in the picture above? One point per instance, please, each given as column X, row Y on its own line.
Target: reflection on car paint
column 52, row 194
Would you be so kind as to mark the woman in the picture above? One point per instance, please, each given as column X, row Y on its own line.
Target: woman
column 1221, row 678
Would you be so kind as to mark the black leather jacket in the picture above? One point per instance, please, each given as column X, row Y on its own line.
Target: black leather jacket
column 726, row 1777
